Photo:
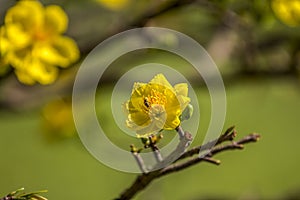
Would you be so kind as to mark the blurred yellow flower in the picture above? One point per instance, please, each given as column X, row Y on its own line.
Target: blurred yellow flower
column 114, row 4
column 288, row 11
column 58, row 119
column 31, row 42
column 155, row 106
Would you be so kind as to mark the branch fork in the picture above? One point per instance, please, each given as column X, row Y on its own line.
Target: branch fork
column 173, row 163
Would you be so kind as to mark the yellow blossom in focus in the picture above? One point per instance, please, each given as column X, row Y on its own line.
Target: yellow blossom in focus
column 288, row 11
column 155, row 106
column 31, row 42
column 114, row 4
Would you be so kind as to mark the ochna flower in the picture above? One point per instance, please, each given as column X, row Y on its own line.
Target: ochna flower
column 156, row 106
column 114, row 4
column 32, row 42
column 58, row 120
column 288, row 11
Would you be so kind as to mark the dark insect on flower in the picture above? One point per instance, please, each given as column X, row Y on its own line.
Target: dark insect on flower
column 146, row 102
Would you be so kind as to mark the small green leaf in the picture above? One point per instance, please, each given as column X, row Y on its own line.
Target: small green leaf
column 15, row 192
column 37, row 197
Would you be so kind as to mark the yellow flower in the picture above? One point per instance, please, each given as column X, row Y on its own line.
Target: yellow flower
column 155, row 106
column 288, row 11
column 31, row 42
column 58, row 119
column 113, row 4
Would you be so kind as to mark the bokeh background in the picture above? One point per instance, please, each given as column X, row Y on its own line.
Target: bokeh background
column 256, row 46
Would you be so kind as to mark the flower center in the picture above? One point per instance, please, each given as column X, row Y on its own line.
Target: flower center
column 40, row 35
column 154, row 105
column 154, row 98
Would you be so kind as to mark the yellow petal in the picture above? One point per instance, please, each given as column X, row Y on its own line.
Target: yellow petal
column 173, row 102
column 27, row 13
column 43, row 73
column 137, row 87
column 33, row 70
column 295, row 10
column 21, row 21
column 173, row 112
column 139, row 118
column 130, row 108
column 125, row 108
column 181, row 89
column 137, row 95
column 64, row 52
column 19, row 59
column 143, row 132
column 160, row 79
column 172, row 123
column 287, row 11
column 56, row 20
column 4, row 44
column 17, row 38
column 136, row 115
column 23, row 77
column 184, row 101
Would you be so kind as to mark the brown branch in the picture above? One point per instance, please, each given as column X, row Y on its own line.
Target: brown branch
column 144, row 180
column 181, row 147
column 207, row 158
column 228, row 135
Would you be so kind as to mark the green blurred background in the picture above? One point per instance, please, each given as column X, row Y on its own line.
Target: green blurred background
column 257, row 52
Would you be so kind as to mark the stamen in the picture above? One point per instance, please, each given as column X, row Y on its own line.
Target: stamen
column 156, row 97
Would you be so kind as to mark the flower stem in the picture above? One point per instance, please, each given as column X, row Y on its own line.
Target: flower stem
column 157, row 155
column 140, row 162
column 155, row 149
column 180, row 132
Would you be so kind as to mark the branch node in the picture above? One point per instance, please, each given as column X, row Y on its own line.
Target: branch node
column 211, row 147
column 155, row 149
column 212, row 160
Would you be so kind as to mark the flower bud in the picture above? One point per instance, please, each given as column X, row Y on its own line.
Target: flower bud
column 187, row 113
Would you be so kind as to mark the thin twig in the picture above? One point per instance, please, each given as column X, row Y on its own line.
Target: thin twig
column 207, row 158
column 144, row 180
column 140, row 162
column 157, row 155
column 180, row 132
column 155, row 150
column 228, row 135
column 180, row 149
column 212, row 160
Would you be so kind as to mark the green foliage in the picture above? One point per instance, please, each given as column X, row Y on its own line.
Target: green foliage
column 20, row 195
